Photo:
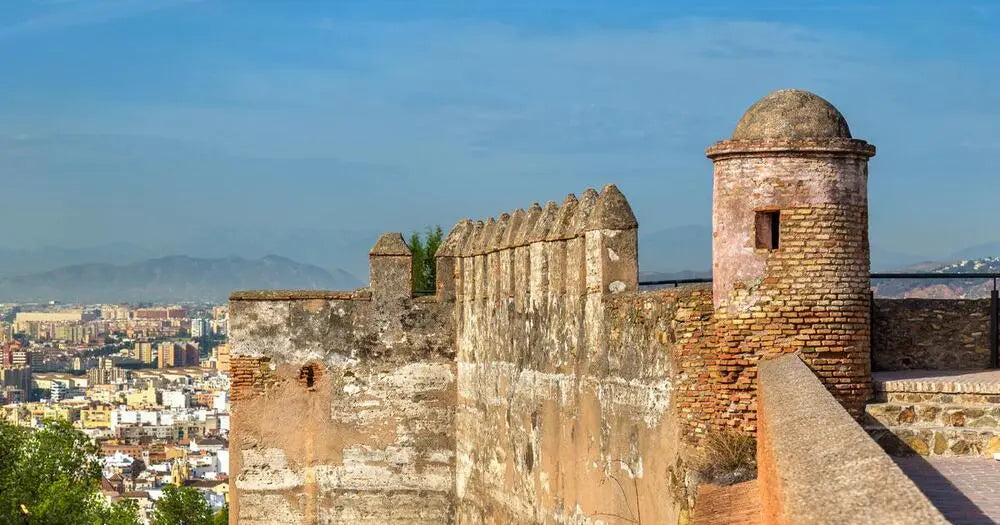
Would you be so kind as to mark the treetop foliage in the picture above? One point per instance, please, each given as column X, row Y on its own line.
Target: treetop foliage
column 424, row 266
column 52, row 476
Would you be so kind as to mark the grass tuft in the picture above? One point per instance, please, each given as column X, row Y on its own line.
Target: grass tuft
column 727, row 457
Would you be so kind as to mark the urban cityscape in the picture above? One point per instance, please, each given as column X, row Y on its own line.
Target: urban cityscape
column 148, row 384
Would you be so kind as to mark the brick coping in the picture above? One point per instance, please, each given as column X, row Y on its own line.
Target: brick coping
column 938, row 381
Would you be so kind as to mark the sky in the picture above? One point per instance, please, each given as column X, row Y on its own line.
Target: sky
column 155, row 120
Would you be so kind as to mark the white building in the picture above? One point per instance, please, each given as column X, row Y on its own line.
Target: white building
column 57, row 392
column 176, row 399
column 220, row 402
column 200, row 328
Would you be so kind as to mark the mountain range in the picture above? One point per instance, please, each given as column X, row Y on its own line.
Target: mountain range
column 217, row 262
column 170, row 279
column 942, row 288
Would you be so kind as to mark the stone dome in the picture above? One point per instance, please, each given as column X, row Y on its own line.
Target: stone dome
column 791, row 114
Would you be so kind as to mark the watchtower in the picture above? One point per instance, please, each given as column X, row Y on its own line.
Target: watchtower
column 790, row 250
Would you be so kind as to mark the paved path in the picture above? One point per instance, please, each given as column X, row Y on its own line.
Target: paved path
column 965, row 489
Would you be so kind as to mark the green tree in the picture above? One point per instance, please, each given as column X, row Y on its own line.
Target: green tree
column 186, row 506
column 123, row 512
column 51, row 476
column 424, row 266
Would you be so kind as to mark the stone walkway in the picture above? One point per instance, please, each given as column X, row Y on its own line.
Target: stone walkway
column 965, row 489
column 939, row 381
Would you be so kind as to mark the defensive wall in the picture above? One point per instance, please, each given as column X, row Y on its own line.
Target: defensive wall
column 540, row 385
column 344, row 403
column 930, row 334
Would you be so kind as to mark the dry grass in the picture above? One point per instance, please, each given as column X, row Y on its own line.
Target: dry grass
column 727, row 457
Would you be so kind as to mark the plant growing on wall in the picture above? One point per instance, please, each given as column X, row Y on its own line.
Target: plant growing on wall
column 423, row 249
column 727, row 457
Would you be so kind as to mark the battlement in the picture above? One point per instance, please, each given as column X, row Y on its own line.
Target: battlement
column 528, row 254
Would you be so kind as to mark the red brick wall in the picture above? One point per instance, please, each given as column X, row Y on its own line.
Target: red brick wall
column 249, row 376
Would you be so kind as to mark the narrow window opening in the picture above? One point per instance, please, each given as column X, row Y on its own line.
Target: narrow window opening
column 768, row 228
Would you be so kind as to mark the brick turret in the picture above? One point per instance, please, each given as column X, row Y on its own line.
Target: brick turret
column 790, row 250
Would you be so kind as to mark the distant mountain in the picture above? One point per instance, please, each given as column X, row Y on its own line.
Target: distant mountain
column 15, row 262
column 331, row 248
column 169, row 279
column 989, row 249
column 942, row 288
column 888, row 260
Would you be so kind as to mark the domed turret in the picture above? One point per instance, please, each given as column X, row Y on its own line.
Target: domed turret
column 790, row 248
column 791, row 114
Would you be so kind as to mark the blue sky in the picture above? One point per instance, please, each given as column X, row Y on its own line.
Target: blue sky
column 155, row 120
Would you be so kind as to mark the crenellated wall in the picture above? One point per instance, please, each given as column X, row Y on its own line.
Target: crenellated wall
column 565, row 373
column 343, row 402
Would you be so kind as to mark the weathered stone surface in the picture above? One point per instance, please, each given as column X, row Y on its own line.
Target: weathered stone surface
column 930, row 334
column 544, row 223
column 791, row 114
column 341, row 405
column 560, row 393
column 390, row 244
column 523, row 236
column 807, row 476
column 612, row 211
column 452, row 245
column 561, row 226
column 585, row 207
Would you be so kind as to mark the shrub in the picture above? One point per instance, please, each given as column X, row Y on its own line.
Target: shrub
column 727, row 457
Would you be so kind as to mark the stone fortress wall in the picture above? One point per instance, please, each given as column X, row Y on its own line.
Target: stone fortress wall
column 539, row 385
column 564, row 399
column 344, row 403
column 930, row 334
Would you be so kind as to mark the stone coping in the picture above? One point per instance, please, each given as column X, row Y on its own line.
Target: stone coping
column 938, row 381
column 765, row 147
column 299, row 295
column 817, row 465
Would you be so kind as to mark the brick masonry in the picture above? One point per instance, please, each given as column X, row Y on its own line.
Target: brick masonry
column 932, row 334
column 809, row 295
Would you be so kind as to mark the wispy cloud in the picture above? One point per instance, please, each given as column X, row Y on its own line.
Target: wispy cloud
column 60, row 14
column 485, row 115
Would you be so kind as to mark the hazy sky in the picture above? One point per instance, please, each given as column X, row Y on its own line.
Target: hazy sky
column 157, row 119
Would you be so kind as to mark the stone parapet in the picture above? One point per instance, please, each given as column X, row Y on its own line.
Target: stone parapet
column 931, row 334
column 837, row 475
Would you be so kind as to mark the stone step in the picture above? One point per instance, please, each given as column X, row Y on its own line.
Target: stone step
column 936, row 441
column 933, row 414
column 961, row 398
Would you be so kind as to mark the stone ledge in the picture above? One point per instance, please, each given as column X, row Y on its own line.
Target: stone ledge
column 299, row 295
column 938, row 381
column 817, row 465
column 765, row 147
